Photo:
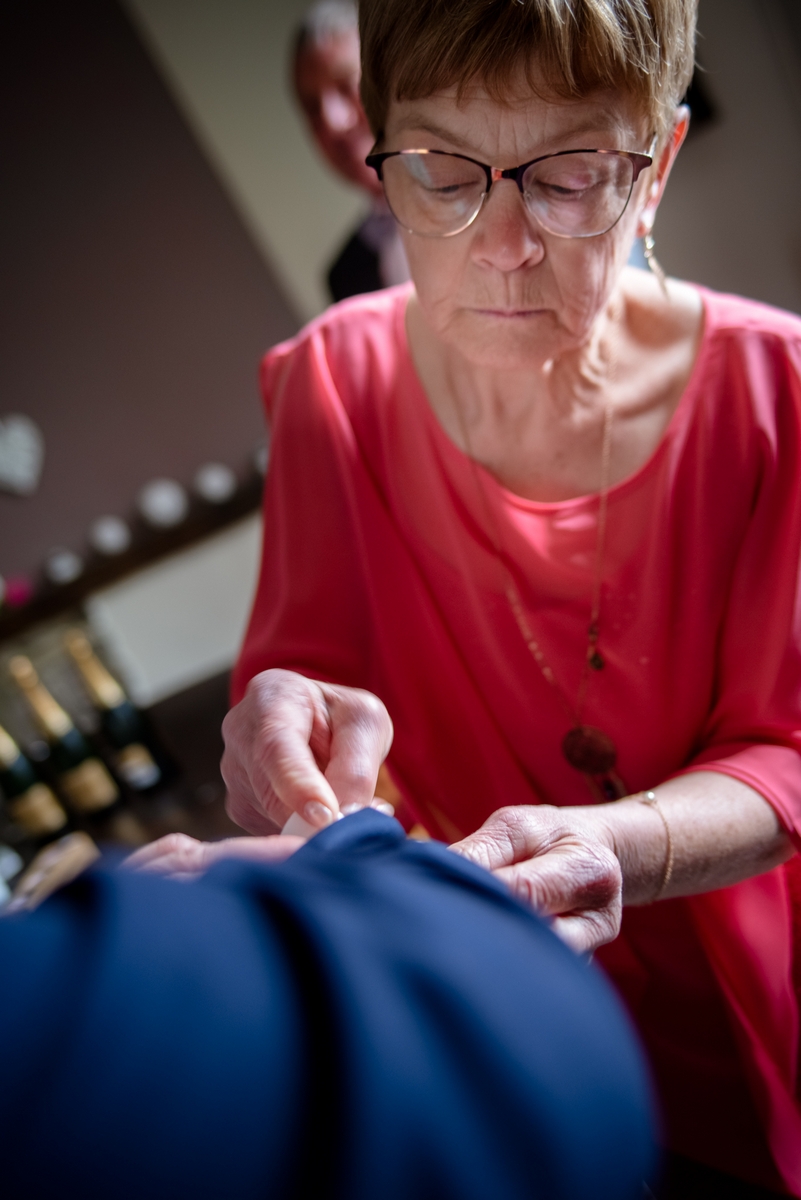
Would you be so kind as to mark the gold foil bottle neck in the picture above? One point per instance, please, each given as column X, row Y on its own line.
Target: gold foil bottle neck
column 101, row 685
column 49, row 714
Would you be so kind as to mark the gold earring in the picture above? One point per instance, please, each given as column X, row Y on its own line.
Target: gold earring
column 653, row 262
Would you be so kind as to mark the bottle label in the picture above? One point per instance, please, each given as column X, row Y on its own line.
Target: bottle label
column 89, row 786
column 137, row 767
column 37, row 811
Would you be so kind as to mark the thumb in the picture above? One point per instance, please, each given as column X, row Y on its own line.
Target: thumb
column 490, row 848
column 361, row 735
column 510, row 835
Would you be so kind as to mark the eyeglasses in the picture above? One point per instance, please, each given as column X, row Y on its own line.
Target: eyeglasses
column 572, row 194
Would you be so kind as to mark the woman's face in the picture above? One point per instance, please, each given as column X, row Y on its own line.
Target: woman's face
column 503, row 292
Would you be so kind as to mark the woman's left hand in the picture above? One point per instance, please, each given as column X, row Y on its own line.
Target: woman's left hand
column 558, row 861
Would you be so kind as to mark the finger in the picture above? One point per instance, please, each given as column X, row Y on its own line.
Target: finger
column 509, row 836
column 173, row 853
column 570, row 878
column 297, row 827
column 259, row 818
column 579, row 887
column 284, row 765
column 382, row 806
column 273, row 849
column 184, row 857
column 145, row 854
column 268, row 766
column 585, row 932
column 361, row 735
column 240, row 737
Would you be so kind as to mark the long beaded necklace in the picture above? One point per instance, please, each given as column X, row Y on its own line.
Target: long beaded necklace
column 586, row 748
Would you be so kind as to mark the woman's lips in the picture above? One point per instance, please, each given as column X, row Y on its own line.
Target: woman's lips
column 509, row 313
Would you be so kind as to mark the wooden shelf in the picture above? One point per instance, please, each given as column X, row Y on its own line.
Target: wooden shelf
column 149, row 546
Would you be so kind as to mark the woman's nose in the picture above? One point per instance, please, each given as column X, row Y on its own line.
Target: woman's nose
column 506, row 236
column 338, row 112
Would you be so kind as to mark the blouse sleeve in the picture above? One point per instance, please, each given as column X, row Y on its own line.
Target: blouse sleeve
column 309, row 612
column 754, row 728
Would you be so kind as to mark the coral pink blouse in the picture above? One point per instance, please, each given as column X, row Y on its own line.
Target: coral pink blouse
column 379, row 571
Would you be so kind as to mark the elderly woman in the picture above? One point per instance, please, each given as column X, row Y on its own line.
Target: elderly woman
column 542, row 510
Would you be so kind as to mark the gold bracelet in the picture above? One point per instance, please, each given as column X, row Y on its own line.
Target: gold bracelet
column 651, row 799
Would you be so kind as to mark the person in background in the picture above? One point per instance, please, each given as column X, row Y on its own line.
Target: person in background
column 372, row 1017
column 326, row 72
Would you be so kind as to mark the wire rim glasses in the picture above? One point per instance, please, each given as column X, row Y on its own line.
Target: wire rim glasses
column 571, row 194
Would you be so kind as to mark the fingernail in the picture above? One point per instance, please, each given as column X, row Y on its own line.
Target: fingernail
column 317, row 814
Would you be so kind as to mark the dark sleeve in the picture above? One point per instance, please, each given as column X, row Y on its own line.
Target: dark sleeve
column 355, row 271
column 149, row 1044
column 373, row 1018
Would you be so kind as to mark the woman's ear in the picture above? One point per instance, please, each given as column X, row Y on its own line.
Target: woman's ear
column 664, row 166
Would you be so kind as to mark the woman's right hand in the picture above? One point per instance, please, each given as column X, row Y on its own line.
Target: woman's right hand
column 296, row 745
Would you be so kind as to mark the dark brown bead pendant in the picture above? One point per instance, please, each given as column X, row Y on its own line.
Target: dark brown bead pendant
column 594, row 657
column 589, row 750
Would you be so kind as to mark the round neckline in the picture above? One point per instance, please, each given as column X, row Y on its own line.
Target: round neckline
column 677, row 421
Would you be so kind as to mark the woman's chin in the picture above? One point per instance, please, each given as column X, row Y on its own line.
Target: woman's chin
column 505, row 341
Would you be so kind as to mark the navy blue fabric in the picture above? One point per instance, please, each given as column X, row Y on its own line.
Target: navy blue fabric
column 374, row 1018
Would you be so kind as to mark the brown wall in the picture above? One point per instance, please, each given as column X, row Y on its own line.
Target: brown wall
column 133, row 307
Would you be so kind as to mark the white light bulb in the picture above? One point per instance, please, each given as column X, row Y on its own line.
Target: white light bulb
column 163, row 503
column 63, row 566
column 110, row 535
column 215, row 483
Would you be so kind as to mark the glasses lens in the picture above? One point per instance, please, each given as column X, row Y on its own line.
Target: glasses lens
column 433, row 194
column 578, row 195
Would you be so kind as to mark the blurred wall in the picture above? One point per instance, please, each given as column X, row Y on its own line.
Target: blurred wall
column 180, row 621
column 730, row 218
column 226, row 61
column 134, row 306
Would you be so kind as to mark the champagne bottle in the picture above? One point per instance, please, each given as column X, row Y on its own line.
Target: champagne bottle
column 29, row 802
column 124, row 727
column 82, row 777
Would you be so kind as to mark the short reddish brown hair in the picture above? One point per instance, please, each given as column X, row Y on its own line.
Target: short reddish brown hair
column 414, row 48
